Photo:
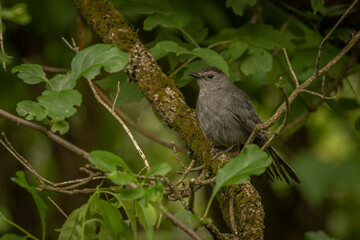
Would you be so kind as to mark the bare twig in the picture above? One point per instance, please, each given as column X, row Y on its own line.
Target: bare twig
column 49, row 68
column 73, row 47
column 186, row 172
column 117, row 95
column 98, row 98
column 317, row 94
column 2, row 43
column 159, row 221
column 332, row 30
column 180, row 224
column 46, row 132
column 134, row 125
column 58, row 208
column 291, row 68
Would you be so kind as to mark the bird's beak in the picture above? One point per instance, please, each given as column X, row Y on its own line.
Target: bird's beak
column 194, row 75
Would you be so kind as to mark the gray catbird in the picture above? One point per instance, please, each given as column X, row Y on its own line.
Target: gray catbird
column 227, row 116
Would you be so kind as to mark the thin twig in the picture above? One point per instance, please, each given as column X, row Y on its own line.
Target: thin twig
column 191, row 199
column 291, row 68
column 332, row 30
column 186, row 172
column 98, row 98
column 180, row 224
column 317, row 94
column 58, row 208
column 46, row 132
column 173, row 146
column 24, row 162
column 2, row 43
column 116, row 96
column 73, row 47
column 48, row 68
column 159, row 221
column 134, row 125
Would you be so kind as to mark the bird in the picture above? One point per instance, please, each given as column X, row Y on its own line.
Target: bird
column 227, row 117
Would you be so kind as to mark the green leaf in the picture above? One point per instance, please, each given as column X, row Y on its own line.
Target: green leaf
column 20, row 179
column 259, row 60
column 128, row 194
column 31, row 110
column 235, row 50
column 319, row 235
column 189, row 218
column 113, row 220
column 72, row 227
column 89, row 62
column 317, row 5
column 17, row 14
column 165, row 47
column 211, row 57
column 147, row 218
column 159, row 169
column 60, row 105
column 343, row 104
column 357, row 124
column 196, row 29
column 252, row 161
column 30, row 73
column 11, row 236
column 121, row 178
column 130, row 212
column 107, row 161
column 239, row 6
column 168, row 21
column 61, row 126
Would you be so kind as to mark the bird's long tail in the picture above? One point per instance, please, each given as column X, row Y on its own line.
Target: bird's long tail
column 279, row 168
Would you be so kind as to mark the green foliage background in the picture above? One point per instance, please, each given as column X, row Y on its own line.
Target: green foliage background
column 323, row 149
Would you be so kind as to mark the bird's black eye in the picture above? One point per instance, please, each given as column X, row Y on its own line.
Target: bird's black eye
column 210, row 76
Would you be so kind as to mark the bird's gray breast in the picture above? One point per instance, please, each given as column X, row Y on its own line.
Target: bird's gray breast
column 216, row 120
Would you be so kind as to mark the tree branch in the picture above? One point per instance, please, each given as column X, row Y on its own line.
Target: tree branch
column 46, row 132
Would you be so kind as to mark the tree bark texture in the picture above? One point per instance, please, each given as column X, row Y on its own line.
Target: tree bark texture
column 168, row 102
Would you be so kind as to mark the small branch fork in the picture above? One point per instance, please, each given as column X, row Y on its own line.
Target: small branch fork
column 302, row 88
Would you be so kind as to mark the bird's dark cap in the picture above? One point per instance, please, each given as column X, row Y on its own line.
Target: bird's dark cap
column 208, row 69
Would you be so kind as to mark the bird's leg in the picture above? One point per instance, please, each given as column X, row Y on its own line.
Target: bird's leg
column 224, row 151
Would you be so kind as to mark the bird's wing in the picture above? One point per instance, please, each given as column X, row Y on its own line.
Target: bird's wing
column 245, row 114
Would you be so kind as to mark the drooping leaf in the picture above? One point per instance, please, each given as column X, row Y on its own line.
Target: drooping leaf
column 165, row 47
column 317, row 5
column 235, row 50
column 89, row 62
column 72, row 227
column 111, row 216
column 252, row 161
column 61, row 126
column 20, row 179
column 30, row 73
column 239, row 6
column 168, row 21
column 258, row 60
column 121, row 178
column 60, row 105
column 159, row 169
column 211, row 57
column 154, row 193
column 31, row 110
column 129, row 194
column 107, row 161
column 147, row 218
